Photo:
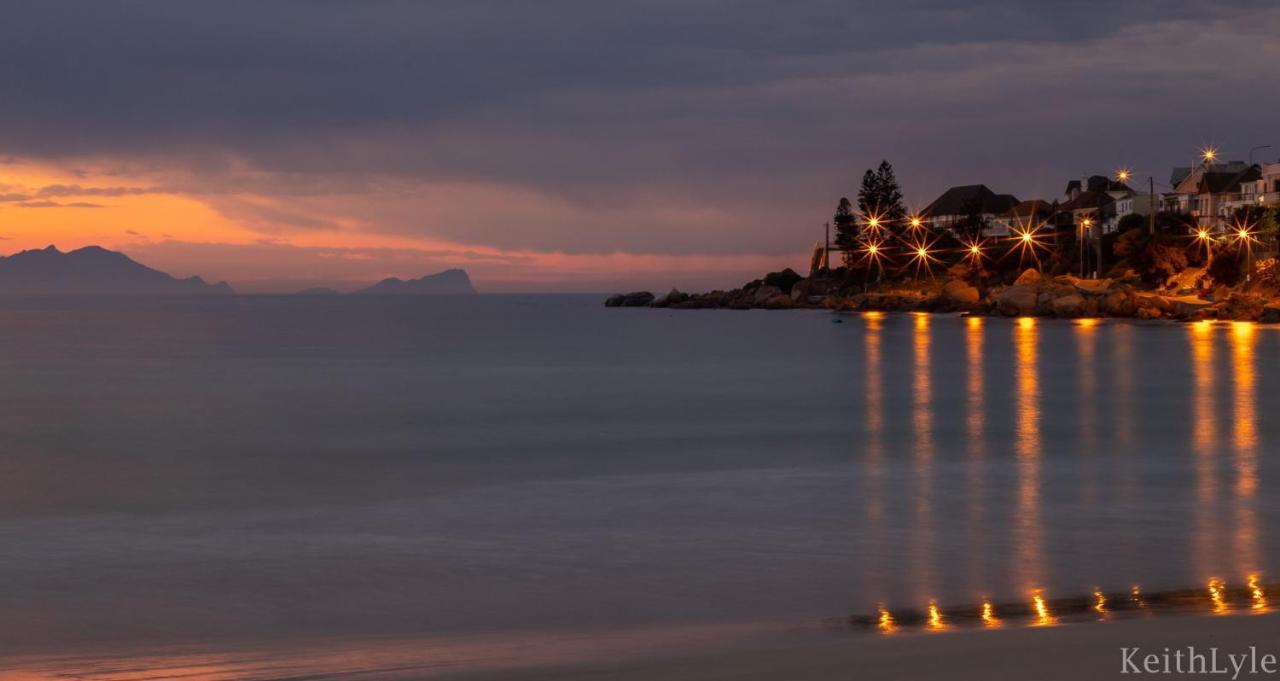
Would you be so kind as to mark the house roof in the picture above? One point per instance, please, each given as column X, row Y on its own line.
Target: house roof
column 1034, row 207
column 965, row 199
column 1088, row 201
column 1214, row 182
column 1181, row 173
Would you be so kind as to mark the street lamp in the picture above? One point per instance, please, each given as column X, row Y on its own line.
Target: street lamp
column 1209, row 154
column 1085, row 223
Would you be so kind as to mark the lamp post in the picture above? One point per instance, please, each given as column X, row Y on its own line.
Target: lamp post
column 1085, row 223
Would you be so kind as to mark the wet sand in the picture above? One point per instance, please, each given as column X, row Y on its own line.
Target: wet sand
column 1075, row 651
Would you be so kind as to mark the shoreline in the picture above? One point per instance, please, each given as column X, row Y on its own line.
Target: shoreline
column 1060, row 652
column 960, row 289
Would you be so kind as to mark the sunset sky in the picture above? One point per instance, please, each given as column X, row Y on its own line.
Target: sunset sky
column 580, row 145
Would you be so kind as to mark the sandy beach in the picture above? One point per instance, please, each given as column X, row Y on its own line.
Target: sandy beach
column 1076, row 651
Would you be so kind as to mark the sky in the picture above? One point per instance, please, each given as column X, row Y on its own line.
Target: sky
column 581, row 145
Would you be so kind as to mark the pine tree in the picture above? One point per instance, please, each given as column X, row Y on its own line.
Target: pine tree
column 881, row 196
column 869, row 194
column 890, row 194
column 846, row 224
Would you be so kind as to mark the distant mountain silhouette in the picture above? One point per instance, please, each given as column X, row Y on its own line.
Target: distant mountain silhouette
column 91, row 269
column 448, row 281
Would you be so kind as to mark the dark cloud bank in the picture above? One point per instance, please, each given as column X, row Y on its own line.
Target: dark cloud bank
column 763, row 113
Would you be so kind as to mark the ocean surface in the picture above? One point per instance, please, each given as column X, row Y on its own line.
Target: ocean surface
column 271, row 487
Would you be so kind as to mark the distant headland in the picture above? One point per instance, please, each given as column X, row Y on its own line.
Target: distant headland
column 92, row 270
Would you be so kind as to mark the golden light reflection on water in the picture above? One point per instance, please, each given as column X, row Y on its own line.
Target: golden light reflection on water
column 1217, row 596
column 1028, row 449
column 1204, row 437
column 935, row 617
column 1044, row 617
column 1245, row 439
column 989, row 618
column 874, row 492
column 922, row 418
column 1256, row 593
column 1085, row 332
column 886, row 623
column 977, row 446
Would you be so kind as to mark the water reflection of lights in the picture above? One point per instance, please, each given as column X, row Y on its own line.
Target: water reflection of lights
column 1043, row 616
column 989, row 615
column 886, row 623
column 1099, row 602
column 1216, row 589
column 1257, row 594
column 935, row 617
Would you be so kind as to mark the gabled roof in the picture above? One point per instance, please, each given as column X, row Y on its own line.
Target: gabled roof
column 1032, row 208
column 1214, row 182
column 1088, row 201
column 963, row 200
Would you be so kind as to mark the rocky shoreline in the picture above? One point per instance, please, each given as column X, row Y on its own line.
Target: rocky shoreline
column 1186, row 297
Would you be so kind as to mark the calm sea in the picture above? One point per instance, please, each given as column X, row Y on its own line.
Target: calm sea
column 259, row 487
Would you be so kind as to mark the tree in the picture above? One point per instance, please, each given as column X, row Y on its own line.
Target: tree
column 973, row 224
column 846, row 224
column 881, row 196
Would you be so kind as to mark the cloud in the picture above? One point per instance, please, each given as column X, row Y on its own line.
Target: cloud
column 55, row 204
column 710, row 129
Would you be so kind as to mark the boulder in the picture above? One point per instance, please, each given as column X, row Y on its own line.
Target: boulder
column 1118, row 304
column 1270, row 314
column 1070, row 305
column 672, row 298
column 1148, row 313
column 783, row 280
column 1188, row 306
column 958, row 293
column 1017, row 300
column 1030, row 276
column 614, row 300
column 763, row 294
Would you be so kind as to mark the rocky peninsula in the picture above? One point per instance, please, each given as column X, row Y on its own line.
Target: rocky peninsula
column 1187, row 295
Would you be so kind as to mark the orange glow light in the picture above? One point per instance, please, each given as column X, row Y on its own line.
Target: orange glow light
column 1099, row 602
column 935, row 617
column 1043, row 617
column 1216, row 589
column 1209, row 154
column 989, row 615
column 1123, row 174
column 886, row 624
column 1255, row 591
column 916, row 222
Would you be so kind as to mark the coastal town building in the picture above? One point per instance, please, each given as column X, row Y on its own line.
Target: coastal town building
column 1026, row 214
column 1210, row 193
column 960, row 205
column 1266, row 189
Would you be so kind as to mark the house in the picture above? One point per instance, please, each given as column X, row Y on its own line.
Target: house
column 1266, row 189
column 1134, row 204
column 1033, row 214
column 1093, row 211
column 1101, row 200
column 1211, row 192
column 958, row 205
